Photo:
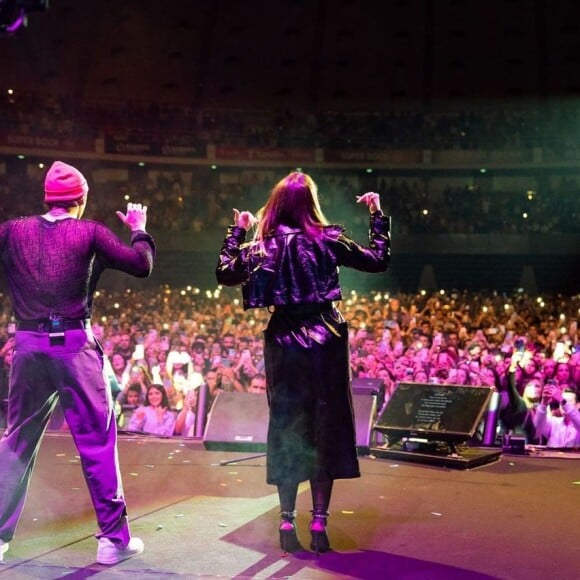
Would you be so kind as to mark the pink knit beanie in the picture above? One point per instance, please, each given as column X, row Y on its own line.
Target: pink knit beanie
column 64, row 183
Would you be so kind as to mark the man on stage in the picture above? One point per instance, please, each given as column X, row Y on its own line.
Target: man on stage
column 52, row 264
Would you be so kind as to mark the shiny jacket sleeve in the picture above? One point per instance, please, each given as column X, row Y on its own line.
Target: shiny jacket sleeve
column 231, row 268
column 376, row 257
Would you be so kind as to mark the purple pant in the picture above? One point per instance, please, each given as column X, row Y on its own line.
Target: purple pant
column 41, row 374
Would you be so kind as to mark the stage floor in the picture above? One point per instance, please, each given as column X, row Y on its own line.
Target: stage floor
column 517, row 518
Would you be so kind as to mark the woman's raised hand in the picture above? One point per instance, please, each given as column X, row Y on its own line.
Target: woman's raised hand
column 372, row 199
column 244, row 219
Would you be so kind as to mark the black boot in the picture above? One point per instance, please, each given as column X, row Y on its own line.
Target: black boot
column 319, row 541
column 288, row 539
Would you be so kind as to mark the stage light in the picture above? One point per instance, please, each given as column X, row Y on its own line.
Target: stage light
column 14, row 14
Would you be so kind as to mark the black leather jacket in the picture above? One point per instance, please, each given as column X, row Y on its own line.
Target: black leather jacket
column 296, row 269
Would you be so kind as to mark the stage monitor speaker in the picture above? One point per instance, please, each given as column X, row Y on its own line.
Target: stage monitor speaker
column 237, row 422
column 368, row 386
column 429, row 423
column 365, row 412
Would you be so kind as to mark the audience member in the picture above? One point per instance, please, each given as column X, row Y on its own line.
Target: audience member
column 155, row 416
column 561, row 428
column 132, row 399
column 257, row 384
column 186, row 419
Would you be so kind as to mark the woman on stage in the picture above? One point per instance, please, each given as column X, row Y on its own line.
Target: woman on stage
column 291, row 267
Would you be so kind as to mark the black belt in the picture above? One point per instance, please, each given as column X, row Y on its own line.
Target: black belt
column 305, row 309
column 45, row 325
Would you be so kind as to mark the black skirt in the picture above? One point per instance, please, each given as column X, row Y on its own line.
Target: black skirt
column 311, row 433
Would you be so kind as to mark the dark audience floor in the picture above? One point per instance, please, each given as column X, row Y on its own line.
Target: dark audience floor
column 513, row 519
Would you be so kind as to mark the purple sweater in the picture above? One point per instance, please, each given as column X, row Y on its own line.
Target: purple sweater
column 54, row 267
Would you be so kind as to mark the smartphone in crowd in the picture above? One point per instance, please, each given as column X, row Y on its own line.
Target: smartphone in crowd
column 559, row 351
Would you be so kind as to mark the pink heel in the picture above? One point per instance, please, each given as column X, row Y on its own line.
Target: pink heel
column 288, row 539
column 319, row 541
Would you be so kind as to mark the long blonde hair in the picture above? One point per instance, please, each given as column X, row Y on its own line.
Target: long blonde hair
column 293, row 202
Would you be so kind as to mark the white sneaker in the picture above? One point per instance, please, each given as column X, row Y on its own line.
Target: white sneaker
column 3, row 549
column 109, row 553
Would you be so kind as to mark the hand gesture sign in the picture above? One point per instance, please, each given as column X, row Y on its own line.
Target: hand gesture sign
column 244, row 219
column 135, row 218
column 372, row 200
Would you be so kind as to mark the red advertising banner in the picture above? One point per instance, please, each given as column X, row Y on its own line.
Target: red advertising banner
column 46, row 142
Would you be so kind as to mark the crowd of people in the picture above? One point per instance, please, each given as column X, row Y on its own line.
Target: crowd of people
column 202, row 203
column 551, row 127
column 167, row 345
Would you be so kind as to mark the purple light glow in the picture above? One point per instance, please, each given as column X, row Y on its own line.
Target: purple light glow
column 19, row 22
